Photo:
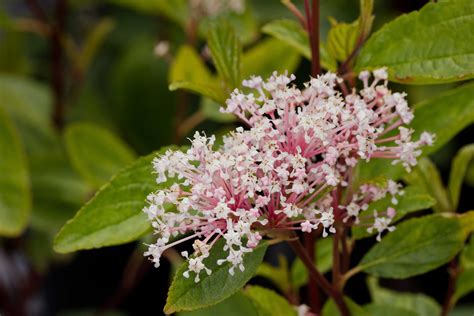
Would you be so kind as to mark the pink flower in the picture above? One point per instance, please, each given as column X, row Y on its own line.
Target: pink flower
column 298, row 145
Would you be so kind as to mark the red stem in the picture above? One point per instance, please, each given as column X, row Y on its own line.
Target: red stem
column 312, row 16
column 57, row 75
column 315, row 301
column 453, row 275
column 318, row 278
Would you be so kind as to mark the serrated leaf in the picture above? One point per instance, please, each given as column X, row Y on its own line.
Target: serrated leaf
column 187, row 65
column 419, row 304
column 236, row 305
column 204, row 89
column 461, row 161
column 323, row 247
column 268, row 302
column 15, row 197
column 95, row 152
column 114, row 215
column 293, row 34
column 268, row 56
column 433, row 45
column 185, row 294
column 226, row 51
column 412, row 200
column 444, row 115
column 427, row 177
column 415, row 247
column 342, row 39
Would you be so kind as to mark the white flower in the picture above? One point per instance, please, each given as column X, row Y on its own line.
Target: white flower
column 275, row 174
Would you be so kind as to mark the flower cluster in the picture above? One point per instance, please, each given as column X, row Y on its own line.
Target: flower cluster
column 276, row 174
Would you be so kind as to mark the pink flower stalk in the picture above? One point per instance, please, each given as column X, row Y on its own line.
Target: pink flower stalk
column 275, row 175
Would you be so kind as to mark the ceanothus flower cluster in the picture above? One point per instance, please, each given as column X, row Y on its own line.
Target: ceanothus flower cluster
column 284, row 171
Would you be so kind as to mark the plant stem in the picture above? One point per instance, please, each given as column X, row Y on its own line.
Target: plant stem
column 57, row 75
column 318, row 278
column 336, row 264
column 56, row 30
column 293, row 9
column 132, row 274
column 312, row 17
column 346, row 251
column 315, row 303
column 188, row 124
column 453, row 271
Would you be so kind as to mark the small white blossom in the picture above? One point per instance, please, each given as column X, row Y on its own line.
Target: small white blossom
column 275, row 175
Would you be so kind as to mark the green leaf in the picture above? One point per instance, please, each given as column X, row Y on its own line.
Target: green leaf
column 444, row 115
column 467, row 255
column 175, row 10
column 467, row 222
column 433, row 45
column 16, row 94
column 95, row 152
column 415, row 247
column 204, row 89
column 464, row 157
column 185, row 294
column 411, row 201
column 226, row 52
column 463, row 310
column 427, row 177
column 139, row 101
column 188, row 66
column 244, row 23
column 366, row 17
column 323, row 247
column 268, row 56
column 293, row 34
column 93, row 41
column 278, row 275
column 342, row 39
column 57, row 191
column 114, row 215
column 236, row 305
column 331, row 309
column 419, row 304
column 470, row 174
column 268, row 302
column 15, row 198
column 464, row 284
column 375, row 309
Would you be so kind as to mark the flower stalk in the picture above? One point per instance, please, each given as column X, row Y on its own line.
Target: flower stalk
column 318, row 278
